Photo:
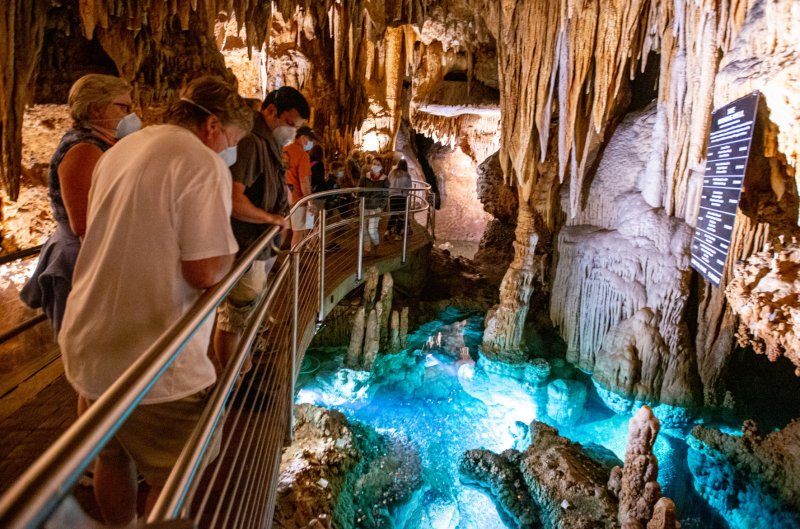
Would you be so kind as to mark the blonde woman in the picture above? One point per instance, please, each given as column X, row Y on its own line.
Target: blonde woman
column 100, row 108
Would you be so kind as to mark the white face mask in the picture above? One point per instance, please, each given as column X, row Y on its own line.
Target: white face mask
column 339, row 174
column 228, row 155
column 308, row 145
column 283, row 135
column 376, row 169
column 128, row 125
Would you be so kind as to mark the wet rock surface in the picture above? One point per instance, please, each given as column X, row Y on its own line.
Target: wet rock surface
column 752, row 479
column 556, row 483
column 342, row 471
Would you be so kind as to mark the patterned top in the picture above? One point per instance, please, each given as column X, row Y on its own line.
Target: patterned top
column 73, row 137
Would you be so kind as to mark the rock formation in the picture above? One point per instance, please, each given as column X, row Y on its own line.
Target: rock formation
column 340, row 471
column 639, row 488
column 765, row 294
column 622, row 281
column 559, row 484
column 752, row 479
column 371, row 325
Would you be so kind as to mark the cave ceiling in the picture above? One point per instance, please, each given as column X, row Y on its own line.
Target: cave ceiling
column 561, row 69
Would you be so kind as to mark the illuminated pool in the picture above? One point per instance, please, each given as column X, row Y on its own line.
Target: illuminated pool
column 446, row 405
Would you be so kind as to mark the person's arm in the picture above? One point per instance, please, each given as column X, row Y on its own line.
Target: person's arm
column 304, row 174
column 205, row 273
column 75, row 179
column 244, row 210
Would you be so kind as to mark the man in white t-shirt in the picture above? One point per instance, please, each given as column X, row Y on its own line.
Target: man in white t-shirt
column 158, row 234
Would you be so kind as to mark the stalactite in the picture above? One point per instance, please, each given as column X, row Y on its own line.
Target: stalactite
column 22, row 28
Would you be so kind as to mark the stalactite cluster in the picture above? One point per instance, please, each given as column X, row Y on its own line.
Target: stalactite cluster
column 22, row 25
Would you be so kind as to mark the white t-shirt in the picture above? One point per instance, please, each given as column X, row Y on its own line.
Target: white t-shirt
column 159, row 197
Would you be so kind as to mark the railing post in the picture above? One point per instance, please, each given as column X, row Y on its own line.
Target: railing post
column 295, row 332
column 322, row 240
column 360, row 271
column 405, row 227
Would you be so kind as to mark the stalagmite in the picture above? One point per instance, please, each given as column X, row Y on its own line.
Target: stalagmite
column 371, row 340
column 505, row 322
column 403, row 326
column 353, row 358
column 385, row 303
column 370, row 287
column 640, row 489
column 394, row 332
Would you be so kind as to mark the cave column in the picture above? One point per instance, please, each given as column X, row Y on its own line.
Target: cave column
column 505, row 322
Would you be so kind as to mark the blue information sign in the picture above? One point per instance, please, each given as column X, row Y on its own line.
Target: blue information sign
column 726, row 163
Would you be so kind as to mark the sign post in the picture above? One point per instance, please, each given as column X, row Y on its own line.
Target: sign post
column 726, row 164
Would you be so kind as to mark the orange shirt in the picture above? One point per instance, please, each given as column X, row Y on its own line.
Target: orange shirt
column 298, row 170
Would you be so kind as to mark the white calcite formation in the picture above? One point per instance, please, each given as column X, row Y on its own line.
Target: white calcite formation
column 622, row 280
column 765, row 293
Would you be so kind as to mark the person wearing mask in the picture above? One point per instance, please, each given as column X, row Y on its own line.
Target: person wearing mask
column 157, row 235
column 100, row 108
column 298, row 179
column 259, row 203
column 399, row 184
column 374, row 201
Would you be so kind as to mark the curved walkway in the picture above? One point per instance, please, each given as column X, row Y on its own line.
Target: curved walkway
column 238, row 488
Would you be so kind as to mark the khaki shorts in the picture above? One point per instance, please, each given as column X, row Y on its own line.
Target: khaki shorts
column 235, row 310
column 301, row 219
column 154, row 435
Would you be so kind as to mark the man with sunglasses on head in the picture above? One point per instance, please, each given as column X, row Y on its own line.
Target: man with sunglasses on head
column 259, row 203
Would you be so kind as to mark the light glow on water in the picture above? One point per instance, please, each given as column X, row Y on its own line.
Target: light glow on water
column 445, row 406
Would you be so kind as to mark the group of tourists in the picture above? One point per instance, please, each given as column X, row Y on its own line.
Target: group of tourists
column 148, row 218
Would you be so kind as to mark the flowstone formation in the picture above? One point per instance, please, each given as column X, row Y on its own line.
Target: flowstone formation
column 558, row 484
column 752, row 479
column 622, row 283
column 765, row 294
column 341, row 471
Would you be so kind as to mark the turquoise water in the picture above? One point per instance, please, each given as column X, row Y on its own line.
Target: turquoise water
column 445, row 406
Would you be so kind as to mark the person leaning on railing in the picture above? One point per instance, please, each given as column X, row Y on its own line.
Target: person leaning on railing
column 259, row 203
column 158, row 234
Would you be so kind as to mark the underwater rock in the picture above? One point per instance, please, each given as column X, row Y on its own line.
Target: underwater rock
column 565, row 401
column 669, row 416
column 537, row 371
column 403, row 372
column 342, row 471
column 560, row 368
column 347, row 386
column 500, row 474
column 752, row 480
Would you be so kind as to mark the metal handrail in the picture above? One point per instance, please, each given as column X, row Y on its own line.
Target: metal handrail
column 39, row 491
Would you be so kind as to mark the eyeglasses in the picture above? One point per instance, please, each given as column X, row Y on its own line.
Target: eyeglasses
column 124, row 106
